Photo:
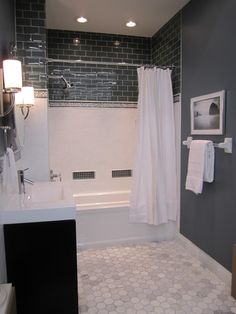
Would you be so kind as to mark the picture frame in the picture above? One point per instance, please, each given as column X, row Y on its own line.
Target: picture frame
column 207, row 113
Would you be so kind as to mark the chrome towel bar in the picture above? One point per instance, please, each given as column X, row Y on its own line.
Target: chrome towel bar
column 226, row 145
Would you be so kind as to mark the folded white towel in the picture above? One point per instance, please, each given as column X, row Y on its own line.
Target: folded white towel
column 9, row 173
column 200, row 165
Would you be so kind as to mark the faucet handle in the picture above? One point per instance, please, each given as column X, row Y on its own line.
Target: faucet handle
column 20, row 173
column 54, row 175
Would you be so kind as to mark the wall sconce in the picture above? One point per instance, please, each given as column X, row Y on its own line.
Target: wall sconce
column 25, row 99
column 10, row 83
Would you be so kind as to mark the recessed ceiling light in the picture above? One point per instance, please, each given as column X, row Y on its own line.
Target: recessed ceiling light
column 82, row 19
column 131, row 24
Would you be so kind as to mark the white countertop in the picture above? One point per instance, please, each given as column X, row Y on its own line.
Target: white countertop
column 44, row 201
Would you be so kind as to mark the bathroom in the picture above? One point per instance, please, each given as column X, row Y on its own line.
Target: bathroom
column 64, row 123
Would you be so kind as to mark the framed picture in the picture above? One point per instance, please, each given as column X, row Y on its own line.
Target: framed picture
column 207, row 114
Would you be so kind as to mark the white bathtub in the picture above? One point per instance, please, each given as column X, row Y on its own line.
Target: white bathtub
column 103, row 219
column 99, row 200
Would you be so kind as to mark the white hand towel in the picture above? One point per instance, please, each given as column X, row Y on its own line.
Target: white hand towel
column 200, row 165
column 9, row 173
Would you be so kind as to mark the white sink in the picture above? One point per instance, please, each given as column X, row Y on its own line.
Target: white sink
column 43, row 201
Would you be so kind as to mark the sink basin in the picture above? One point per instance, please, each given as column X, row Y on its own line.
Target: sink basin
column 42, row 192
column 43, row 201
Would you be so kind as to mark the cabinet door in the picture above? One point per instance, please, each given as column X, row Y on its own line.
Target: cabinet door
column 42, row 265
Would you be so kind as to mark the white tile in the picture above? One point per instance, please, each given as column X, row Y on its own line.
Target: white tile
column 149, row 278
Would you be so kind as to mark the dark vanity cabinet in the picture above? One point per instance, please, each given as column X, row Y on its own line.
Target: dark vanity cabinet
column 41, row 264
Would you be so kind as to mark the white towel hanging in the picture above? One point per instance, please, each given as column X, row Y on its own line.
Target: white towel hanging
column 9, row 172
column 200, row 165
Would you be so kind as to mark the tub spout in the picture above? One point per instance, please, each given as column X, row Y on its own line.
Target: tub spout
column 54, row 175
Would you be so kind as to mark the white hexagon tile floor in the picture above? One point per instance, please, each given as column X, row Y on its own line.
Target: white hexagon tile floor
column 149, row 278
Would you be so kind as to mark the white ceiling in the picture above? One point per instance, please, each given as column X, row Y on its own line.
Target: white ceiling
column 110, row 16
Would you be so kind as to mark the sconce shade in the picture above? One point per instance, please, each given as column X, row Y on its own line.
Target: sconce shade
column 28, row 96
column 19, row 101
column 25, row 97
column 12, row 72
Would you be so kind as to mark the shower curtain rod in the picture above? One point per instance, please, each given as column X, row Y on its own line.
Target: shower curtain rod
column 110, row 63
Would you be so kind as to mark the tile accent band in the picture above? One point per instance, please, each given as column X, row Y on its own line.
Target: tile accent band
column 90, row 104
column 41, row 93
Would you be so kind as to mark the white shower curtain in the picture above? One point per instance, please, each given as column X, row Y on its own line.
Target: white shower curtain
column 154, row 191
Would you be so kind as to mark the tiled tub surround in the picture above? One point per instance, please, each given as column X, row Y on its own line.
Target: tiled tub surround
column 166, row 49
column 96, row 82
column 87, row 149
column 31, row 41
column 110, row 82
column 93, row 83
column 149, row 278
column 103, row 83
column 79, row 141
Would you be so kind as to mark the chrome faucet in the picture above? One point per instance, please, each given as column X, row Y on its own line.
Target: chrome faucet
column 54, row 175
column 22, row 180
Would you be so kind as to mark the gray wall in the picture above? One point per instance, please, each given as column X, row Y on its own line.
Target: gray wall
column 209, row 50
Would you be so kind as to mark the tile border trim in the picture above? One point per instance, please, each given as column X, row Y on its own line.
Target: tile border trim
column 41, row 93
column 99, row 104
column 91, row 104
column 210, row 263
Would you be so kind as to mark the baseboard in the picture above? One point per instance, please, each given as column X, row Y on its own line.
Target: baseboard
column 207, row 261
column 107, row 243
column 130, row 240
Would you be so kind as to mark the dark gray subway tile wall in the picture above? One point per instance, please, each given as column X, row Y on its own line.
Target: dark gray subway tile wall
column 31, row 41
column 96, row 82
column 166, row 49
